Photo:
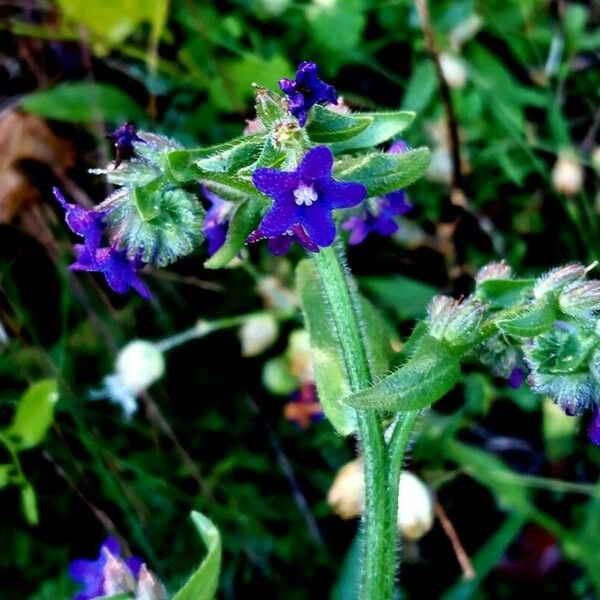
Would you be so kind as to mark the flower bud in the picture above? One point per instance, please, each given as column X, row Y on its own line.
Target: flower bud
column 118, row 578
column 580, row 299
column 440, row 311
column 573, row 393
column 463, row 327
column 269, row 106
column 493, row 270
column 139, row 365
column 149, row 587
column 567, row 174
column 257, row 334
column 415, row 507
column 347, row 493
column 453, row 70
column 557, row 279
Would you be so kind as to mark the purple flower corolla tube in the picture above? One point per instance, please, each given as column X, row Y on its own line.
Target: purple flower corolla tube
column 84, row 222
column 123, row 138
column 91, row 573
column 120, row 272
column 303, row 202
column 216, row 222
column 306, row 90
column 594, row 429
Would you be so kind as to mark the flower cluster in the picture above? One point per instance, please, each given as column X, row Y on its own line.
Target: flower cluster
column 109, row 574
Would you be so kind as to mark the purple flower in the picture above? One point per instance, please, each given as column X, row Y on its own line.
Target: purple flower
column 305, row 197
column 216, row 222
column 83, row 221
column 120, row 272
column 516, row 378
column 90, row 573
column 381, row 219
column 306, row 91
column 123, row 137
column 594, row 429
column 280, row 244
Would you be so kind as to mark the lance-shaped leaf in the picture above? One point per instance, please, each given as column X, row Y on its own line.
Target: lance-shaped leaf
column 327, row 126
column 431, row 372
column 203, row 583
column 383, row 173
column 244, row 220
column 185, row 165
column 230, row 187
column 503, row 293
column 384, row 127
column 531, row 321
column 328, row 362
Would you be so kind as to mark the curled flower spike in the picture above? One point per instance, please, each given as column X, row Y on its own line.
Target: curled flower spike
column 82, row 221
column 91, row 573
column 123, row 137
column 216, row 222
column 305, row 197
column 306, row 90
column 120, row 272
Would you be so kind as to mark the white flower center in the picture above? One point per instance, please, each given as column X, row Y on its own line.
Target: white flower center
column 305, row 194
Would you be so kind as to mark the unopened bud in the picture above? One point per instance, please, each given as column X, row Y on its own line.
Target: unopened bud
column 493, row 270
column 453, row 70
column 347, row 493
column 149, row 587
column 118, row 578
column 463, row 328
column 415, row 507
column 257, row 334
column 269, row 106
column 439, row 312
column 567, row 174
column 139, row 365
column 580, row 299
column 557, row 279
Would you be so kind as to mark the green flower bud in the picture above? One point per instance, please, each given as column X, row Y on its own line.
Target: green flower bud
column 494, row 270
column 580, row 299
column 557, row 279
column 439, row 312
column 496, row 354
column 463, row 327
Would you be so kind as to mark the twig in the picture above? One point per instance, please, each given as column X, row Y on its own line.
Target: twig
column 461, row 556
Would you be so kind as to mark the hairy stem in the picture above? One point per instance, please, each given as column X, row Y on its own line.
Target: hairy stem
column 378, row 563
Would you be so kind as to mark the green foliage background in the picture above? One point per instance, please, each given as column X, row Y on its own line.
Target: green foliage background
column 210, row 437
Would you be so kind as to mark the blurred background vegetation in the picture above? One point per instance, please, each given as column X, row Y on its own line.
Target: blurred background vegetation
column 517, row 479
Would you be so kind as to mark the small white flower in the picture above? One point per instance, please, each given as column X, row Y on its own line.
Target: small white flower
column 257, row 334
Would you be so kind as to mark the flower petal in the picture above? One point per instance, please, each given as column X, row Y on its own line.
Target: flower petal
column 317, row 163
column 280, row 217
column 273, row 182
column 318, row 223
column 280, row 244
column 340, row 194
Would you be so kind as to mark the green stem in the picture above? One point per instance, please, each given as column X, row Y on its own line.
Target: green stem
column 378, row 564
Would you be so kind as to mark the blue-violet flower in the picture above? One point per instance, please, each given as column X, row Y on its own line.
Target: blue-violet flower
column 123, row 137
column 91, row 573
column 306, row 90
column 216, row 222
column 120, row 272
column 306, row 198
column 84, row 222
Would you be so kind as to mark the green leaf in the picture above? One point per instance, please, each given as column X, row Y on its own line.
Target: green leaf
column 203, row 583
column 503, row 293
column 530, row 322
column 384, row 173
column 29, row 504
column 231, row 188
column 328, row 362
column 379, row 334
column 8, row 474
column 427, row 375
column 35, row 414
column 383, row 127
column 147, row 200
column 327, row 126
column 245, row 219
column 407, row 297
column 83, row 102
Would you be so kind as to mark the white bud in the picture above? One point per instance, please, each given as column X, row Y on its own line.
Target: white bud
column 139, row 365
column 149, row 587
column 557, row 279
column 493, row 270
column 567, row 174
column 257, row 334
column 453, row 70
column 118, row 578
column 347, row 493
column 415, row 507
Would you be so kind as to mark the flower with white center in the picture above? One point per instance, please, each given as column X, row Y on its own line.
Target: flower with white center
column 305, row 194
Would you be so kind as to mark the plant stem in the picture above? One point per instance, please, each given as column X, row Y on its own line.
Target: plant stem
column 378, row 563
